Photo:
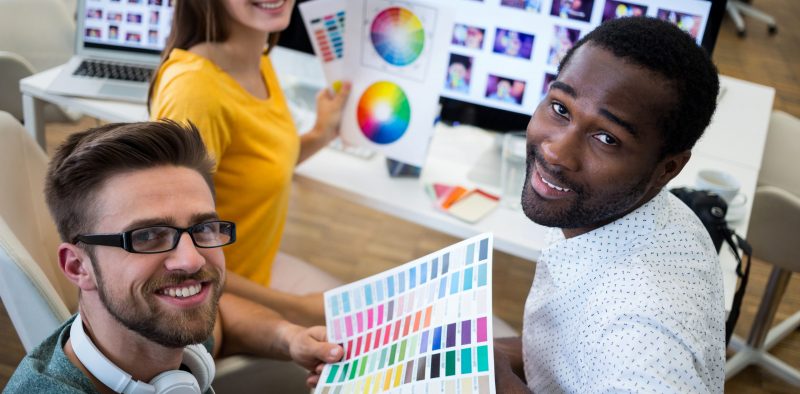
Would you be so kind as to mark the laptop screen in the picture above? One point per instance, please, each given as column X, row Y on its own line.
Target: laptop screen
column 130, row 25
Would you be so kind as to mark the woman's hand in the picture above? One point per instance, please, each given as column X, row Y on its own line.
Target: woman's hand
column 329, row 118
column 329, row 112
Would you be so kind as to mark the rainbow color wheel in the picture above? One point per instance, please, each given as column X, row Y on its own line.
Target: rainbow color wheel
column 383, row 112
column 398, row 36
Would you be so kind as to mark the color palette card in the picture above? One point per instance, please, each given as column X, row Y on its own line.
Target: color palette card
column 324, row 21
column 467, row 205
column 396, row 52
column 474, row 205
column 423, row 327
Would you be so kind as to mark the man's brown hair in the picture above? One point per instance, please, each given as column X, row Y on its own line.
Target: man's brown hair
column 83, row 163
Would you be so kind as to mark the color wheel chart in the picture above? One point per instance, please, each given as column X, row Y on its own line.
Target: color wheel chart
column 423, row 327
column 328, row 32
column 383, row 112
column 391, row 47
column 397, row 37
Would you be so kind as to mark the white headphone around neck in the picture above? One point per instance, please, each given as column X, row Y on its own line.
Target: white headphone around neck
column 195, row 357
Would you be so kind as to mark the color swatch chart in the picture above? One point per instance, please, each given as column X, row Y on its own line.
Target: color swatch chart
column 328, row 32
column 423, row 327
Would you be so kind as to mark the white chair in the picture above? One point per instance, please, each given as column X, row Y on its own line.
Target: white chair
column 736, row 8
column 42, row 33
column 775, row 220
column 35, row 293
column 13, row 67
column 71, row 6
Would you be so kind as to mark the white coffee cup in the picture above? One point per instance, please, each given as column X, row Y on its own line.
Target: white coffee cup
column 721, row 183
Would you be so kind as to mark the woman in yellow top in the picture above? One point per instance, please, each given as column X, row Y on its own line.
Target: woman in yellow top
column 216, row 74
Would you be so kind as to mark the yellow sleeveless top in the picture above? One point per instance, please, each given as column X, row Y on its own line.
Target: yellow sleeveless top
column 254, row 143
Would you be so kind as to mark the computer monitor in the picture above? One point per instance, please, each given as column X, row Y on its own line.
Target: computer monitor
column 504, row 53
column 295, row 36
column 129, row 26
column 500, row 66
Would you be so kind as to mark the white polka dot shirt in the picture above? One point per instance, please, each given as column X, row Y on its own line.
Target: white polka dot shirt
column 634, row 306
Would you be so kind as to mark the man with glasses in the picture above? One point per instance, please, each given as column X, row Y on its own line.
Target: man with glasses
column 134, row 206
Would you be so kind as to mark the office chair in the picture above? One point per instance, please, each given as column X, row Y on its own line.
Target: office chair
column 774, row 221
column 736, row 8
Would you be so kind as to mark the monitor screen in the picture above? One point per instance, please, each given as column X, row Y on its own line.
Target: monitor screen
column 131, row 25
column 504, row 53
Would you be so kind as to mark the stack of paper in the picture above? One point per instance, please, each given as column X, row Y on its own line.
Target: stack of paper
column 468, row 205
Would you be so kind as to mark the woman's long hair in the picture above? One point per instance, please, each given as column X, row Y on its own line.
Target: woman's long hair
column 195, row 22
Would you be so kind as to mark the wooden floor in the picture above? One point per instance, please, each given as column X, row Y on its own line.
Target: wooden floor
column 351, row 241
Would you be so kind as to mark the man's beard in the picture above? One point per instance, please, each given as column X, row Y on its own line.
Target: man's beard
column 586, row 209
column 150, row 320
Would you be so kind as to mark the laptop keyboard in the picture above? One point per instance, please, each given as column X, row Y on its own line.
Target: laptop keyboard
column 118, row 71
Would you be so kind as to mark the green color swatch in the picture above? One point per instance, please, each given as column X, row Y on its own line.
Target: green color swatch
column 450, row 363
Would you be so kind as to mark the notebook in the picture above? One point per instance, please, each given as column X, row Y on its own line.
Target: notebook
column 118, row 45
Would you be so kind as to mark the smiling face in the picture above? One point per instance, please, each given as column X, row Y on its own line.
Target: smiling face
column 594, row 143
column 169, row 298
column 265, row 16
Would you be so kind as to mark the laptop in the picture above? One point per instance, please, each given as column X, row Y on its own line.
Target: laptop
column 118, row 45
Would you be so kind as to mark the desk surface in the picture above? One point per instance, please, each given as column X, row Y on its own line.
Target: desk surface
column 733, row 142
column 108, row 110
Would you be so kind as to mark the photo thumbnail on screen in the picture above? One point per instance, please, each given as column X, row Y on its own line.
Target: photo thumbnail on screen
column 468, row 36
column 528, row 5
column 459, row 70
column 513, row 43
column 564, row 39
column 621, row 9
column 504, row 89
column 686, row 22
column 572, row 9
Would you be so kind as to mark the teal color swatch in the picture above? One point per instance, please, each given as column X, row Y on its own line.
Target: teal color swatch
column 466, row 360
column 468, row 279
column 483, row 358
column 332, row 374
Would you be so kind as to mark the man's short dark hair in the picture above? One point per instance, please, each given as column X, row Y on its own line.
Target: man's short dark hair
column 86, row 160
column 666, row 50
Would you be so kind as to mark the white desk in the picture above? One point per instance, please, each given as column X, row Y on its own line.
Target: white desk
column 34, row 96
column 734, row 142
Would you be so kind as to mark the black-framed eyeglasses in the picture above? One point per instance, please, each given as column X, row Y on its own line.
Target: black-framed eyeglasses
column 159, row 239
